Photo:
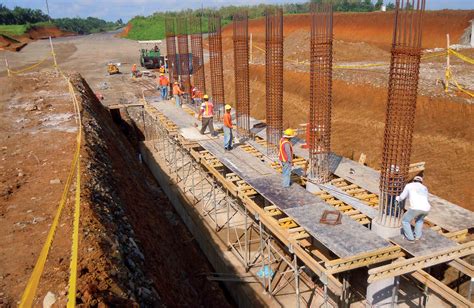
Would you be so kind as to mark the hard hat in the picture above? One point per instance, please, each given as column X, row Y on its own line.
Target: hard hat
column 289, row 133
column 176, row 82
column 228, row 107
column 162, row 74
column 205, row 96
column 418, row 179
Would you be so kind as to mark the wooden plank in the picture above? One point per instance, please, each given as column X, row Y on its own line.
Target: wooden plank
column 437, row 286
column 417, row 263
column 430, row 242
column 463, row 267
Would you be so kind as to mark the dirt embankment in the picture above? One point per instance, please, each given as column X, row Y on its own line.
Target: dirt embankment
column 375, row 28
column 16, row 43
column 133, row 249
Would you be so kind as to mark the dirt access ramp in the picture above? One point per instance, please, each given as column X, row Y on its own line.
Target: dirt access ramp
column 133, row 251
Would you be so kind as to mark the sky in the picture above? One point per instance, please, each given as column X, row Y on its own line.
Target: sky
column 112, row 10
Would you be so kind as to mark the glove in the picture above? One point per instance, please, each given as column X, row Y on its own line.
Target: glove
column 397, row 198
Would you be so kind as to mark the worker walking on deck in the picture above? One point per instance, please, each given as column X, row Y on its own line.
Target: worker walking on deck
column 177, row 92
column 227, row 128
column 207, row 115
column 286, row 156
column 417, row 193
column 163, row 83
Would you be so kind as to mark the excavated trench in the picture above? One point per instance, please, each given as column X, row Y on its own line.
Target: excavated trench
column 145, row 254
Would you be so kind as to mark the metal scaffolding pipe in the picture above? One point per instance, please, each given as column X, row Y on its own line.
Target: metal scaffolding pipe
column 320, row 91
column 199, row 77
column 216, row 64
column 241, row 72
column 171, row 48
column 274, row 78
column 401, row 105
column 183, row 49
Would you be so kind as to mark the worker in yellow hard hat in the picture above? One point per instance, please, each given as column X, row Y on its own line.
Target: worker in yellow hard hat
column 206, row 113
column 286, row 155
column 227, row 128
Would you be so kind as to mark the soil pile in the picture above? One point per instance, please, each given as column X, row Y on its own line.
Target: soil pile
column 16, row 43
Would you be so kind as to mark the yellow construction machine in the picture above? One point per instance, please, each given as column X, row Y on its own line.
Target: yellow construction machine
column 113, row 68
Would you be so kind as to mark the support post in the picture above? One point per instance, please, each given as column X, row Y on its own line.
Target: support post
column 54, row 55
column 7, row 66
column 448, row 65
column 251, row 48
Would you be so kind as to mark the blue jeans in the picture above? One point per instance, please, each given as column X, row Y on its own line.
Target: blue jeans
column 418, row 216
column 178, row 101
column 227, row 138
column 164, row 92
column 286, row 173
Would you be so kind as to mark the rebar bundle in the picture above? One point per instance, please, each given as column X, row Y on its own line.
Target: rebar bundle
column 171, row 48
column 401, row 105
column 199, row 79
column 274, row 78
column 320, row 91
column 215, row 59
column 183, row 50
column 241, row 73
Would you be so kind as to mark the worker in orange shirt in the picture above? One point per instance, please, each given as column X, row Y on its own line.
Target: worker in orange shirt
column 134, row 70
column 177, row 92
column 163, row 83
column 286, row 156
column 227, row 128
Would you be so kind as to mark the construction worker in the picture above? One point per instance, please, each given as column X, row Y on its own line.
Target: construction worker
column 286, row 156
column 207, row 115
column 134, row 70
column 177, row 92
column 417, row 193
column 196, row 96
column 227, row 128
column 162, row 69
column 163, row 83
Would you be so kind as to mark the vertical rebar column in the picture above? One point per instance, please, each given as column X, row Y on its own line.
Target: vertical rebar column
column 274, row 78
column 215, row 59
column 183, row 50
column 320, row 91
column 401, row 105
column 241, row 72
column 171, row 48
column 199, row 79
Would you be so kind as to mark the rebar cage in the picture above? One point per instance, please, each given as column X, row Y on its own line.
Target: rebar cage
column 320, row 91
column 217, row 67
column 195, row 27
column 241, row 72
column 171, row 48
column 401, row 105
column 274, row 78
column 183, row 50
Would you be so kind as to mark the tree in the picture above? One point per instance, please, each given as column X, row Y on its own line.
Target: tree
column 378, row 5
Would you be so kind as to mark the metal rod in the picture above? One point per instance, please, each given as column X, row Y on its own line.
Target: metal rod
column 216, row 64
column 199, row 78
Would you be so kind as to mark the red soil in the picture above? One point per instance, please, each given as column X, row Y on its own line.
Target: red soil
column 125, row 30
column 16, row 43
column 375, row 27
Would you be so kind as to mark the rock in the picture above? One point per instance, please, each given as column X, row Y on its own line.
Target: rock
column 20, row 174
column 31, row 107
column 49, row 300
column 55, row 181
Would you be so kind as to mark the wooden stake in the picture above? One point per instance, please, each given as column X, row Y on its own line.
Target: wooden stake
column 448, row 65
column 8, row 68
column 54, row 55
column 251, row 48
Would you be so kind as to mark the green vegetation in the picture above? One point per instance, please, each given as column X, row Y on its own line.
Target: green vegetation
column 153, row 27
column 86, row 25
column 19, row 20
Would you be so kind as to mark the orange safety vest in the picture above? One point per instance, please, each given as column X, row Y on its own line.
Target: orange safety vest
column 283, row 155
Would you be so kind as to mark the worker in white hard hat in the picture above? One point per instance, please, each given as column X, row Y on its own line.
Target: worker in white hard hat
column 227, row 128
column 206, row 113
column 417, row 194
column 286, row 156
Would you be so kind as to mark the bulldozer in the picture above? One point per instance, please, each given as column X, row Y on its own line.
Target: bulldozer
column 113, row 68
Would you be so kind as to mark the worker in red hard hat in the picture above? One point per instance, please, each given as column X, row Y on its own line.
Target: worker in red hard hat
column 286, row 156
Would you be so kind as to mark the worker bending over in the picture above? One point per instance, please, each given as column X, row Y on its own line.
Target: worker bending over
column 163, row 83
column 135, row 71
column 417, row 193
column 207, row 115
column 227, row 128
column 286, row 156
column 177, row 92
